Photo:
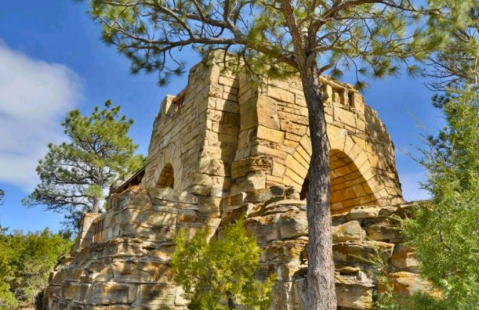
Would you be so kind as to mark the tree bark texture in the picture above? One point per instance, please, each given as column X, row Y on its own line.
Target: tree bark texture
column 321, row 286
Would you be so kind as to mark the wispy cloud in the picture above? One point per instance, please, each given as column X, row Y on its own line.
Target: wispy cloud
column 34, row 97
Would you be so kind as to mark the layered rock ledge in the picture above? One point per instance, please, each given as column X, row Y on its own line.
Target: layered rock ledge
column 129, row 268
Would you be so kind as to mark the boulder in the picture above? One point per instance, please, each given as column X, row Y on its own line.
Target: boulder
column 349, row 231
column 408, row 283
column 293, row 224
column 403, row 258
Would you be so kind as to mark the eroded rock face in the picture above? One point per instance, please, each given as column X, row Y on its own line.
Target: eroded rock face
column 129, row 269
column 403, row 258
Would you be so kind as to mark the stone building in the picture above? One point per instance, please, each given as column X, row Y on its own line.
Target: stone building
column 227, row 147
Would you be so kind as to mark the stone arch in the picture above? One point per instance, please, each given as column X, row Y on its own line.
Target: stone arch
column 353, row 181
column 167, row 177
column 169, row 158
column 349, row 188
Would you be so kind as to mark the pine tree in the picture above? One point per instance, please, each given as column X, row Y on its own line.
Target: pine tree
column 445, row 234
column 74, row 175
column 444, row 231
column 456, row 64
column 220, row 275
column 26, row 260
column 279, row 38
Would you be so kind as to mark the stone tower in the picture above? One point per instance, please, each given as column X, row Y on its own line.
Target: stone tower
column 225, row 148
column 228, row 136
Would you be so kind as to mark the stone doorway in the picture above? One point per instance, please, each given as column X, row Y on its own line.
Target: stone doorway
column 349, row 189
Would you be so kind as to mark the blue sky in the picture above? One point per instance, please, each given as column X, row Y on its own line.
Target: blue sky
column 52, row 61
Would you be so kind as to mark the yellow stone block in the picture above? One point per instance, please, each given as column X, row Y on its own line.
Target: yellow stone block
column 301, row 151
column 359, row 190
column 270, row 134
column 291, row 144
column 267, row 112
column 280, row 94
column 273, row 179
column 292, row 137
column 349, row 193
column 294, row 176
column 344, row 116
column 264, row 150
column 295, row 166
column 337, row 196
column 361, row 159
column 301, row 160
column 249, row 116
column 289, row 182
column 355, row 151
column 343, row 170
column 278, row 169
column 306, row 143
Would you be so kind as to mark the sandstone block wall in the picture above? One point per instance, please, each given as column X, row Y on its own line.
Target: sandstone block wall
column 231, row 135
column 229, row 148
column 274, row 147
column 196, row 139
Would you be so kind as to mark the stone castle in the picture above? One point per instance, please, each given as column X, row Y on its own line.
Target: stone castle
column 227, row 148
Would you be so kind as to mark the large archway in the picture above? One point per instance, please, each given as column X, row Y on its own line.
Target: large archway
column 352, row 180
column 167, row 165
column 349, row 188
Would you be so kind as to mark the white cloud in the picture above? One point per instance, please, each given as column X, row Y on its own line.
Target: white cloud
column 411, row 188
column 34, row 97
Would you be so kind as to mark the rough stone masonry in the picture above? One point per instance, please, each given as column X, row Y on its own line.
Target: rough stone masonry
column 229, row 148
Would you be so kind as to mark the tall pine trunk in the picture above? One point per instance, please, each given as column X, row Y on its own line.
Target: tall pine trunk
column 321, row 292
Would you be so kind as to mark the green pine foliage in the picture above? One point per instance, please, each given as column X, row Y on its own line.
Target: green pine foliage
column 456, row 64
column 74, row 175
column 276, row 38
column 445, row 232
column 26, row 260
column 221, row 274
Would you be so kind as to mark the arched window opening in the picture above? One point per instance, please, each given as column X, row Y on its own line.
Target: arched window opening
column 167, row 178
column 349, row 189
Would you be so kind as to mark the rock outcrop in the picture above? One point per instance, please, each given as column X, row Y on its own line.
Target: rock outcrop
column 129, row 268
